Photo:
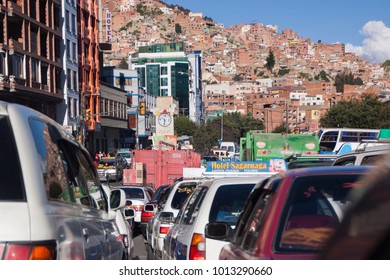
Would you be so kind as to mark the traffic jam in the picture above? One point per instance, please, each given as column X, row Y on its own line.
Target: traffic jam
column 275, row 197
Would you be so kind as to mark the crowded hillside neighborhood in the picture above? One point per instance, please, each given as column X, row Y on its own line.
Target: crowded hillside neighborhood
column 141, row 130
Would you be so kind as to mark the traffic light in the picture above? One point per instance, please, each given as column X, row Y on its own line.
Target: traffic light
column 87, row 114
column 142, row 108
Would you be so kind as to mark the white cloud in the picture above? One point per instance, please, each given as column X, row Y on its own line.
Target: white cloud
column 376, row 43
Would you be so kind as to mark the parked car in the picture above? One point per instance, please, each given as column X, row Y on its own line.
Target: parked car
column 290, row 215
column 363, row 155
column 46, row 208
column 110, row 169
column 160, row 224
column 213, row 200
column 364, row 232
column 121, row 217
column 137, row 197
column 153, row 206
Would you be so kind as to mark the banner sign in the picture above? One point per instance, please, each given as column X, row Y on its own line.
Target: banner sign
column 272, row 165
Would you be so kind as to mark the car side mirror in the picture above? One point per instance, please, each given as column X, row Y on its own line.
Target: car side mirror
column 117, row 199
column 167, row 217
column 149, row 208
column 218, row 230
column 129, row 213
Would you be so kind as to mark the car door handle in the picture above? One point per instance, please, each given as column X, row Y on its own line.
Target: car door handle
column 85, row 233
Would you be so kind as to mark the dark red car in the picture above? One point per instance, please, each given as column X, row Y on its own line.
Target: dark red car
column 290, row 215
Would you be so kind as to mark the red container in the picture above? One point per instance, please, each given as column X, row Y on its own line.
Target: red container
column 162, row 166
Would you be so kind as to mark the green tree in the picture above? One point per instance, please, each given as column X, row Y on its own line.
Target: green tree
column 283, row 72
column 123, row 64
column 342, row 79
column 205, row 137
column 281, row 128
column 368, row 112
column 270, row 61
column 178, row 28
column 235, row 126
column 322, row 76
column 184, row 126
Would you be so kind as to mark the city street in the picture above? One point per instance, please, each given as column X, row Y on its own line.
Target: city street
column 139, row 246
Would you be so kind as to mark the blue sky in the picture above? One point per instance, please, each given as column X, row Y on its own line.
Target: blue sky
column 364, row 26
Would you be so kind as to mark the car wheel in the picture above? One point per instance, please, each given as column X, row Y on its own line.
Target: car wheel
column 150, row 254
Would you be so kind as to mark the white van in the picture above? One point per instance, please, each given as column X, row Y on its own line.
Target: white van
column 46, row 205
column 231, row 147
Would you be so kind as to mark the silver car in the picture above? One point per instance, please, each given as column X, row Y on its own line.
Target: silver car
column 46, row 207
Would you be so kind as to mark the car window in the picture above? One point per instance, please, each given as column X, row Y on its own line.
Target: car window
column 345, row 161
column 187, row 215
column 11, row 187
column 252, row 229
column 252, row 202
column 228, row 202
column 181, row 194
column 371, row 160
column 51, row 161
column 134, row 193
column 313, row 211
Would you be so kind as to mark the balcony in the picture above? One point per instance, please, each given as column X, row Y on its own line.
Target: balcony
column 14, row 7
column 15, row 45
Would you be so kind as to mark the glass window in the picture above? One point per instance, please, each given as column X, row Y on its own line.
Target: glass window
column 181, row 194
column 314, row 209
column 371, row 160
column 187, row 215
column 345, row 161
column 134, row 193
column 256, row 221
column 11, row 187
column 35, row 70
column 229, row 202
column 51, row 159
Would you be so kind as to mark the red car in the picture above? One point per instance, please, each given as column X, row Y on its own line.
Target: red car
column 290, row 215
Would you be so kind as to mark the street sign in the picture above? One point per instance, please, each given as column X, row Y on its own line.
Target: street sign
column 131, row 110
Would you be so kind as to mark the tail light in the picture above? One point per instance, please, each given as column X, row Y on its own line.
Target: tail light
column 145, row 216
column 137, row 207
column 198, row 247
column 164, row 229
column 28, row 251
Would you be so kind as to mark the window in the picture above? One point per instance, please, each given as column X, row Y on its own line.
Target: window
column 74, row 52
column 74, row 23
column 314, row 209
column 11, row 187
column 68, row 49
column 17, row 66
column 74, row 80
column 35, row 70
column 69, row 78
column 229, row 202
column 181, row 194
column 52, row 161
column 190, row 210
column 67, row 25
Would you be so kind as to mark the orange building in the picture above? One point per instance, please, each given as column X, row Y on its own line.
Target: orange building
column 88, row 51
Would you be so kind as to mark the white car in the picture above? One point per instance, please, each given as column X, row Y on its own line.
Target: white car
column 137, row 197
column 213, row 200
column 46, row 208
column 121, row 217
column 160, row 224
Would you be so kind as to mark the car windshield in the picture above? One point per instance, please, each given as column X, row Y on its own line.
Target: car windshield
column 106, row 163
column 313, row 211
column 134, row 193
column 124, row 155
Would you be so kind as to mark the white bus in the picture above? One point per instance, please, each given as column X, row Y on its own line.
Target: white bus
column 332, row 140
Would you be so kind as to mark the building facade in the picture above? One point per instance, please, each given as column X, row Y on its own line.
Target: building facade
column 31, row 54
